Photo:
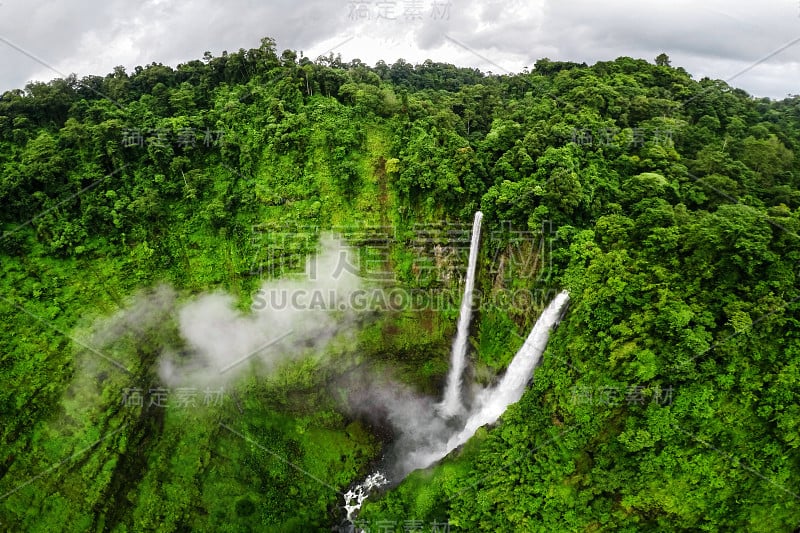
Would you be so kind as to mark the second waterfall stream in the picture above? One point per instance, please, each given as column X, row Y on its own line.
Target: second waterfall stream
column 451, row 403
column 450, row 425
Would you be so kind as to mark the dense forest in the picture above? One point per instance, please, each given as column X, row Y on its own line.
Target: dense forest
column 667, row 400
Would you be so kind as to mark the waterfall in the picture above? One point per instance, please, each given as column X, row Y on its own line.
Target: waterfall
column 430, row 442
column 493, row 401
column 354, row 498
column 489, row 405
column 451, row 403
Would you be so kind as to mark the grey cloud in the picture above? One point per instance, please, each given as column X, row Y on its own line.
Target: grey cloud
column 95, row 37
column 712, row 38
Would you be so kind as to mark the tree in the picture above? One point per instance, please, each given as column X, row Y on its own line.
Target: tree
column 662, row 60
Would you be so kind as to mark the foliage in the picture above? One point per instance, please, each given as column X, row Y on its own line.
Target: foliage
column 666, row 401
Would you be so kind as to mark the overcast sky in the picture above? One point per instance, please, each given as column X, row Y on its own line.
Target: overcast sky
column 718, row 39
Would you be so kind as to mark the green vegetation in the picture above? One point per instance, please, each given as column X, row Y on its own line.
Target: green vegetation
column 668, row 400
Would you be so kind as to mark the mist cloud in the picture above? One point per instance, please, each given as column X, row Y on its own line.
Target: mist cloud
column 208, row 341
column 223, row 342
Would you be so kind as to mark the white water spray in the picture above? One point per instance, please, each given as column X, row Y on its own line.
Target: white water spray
column 451, row 403
column 354, row 498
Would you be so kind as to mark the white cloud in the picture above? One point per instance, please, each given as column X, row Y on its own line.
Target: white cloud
column 715, row 39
